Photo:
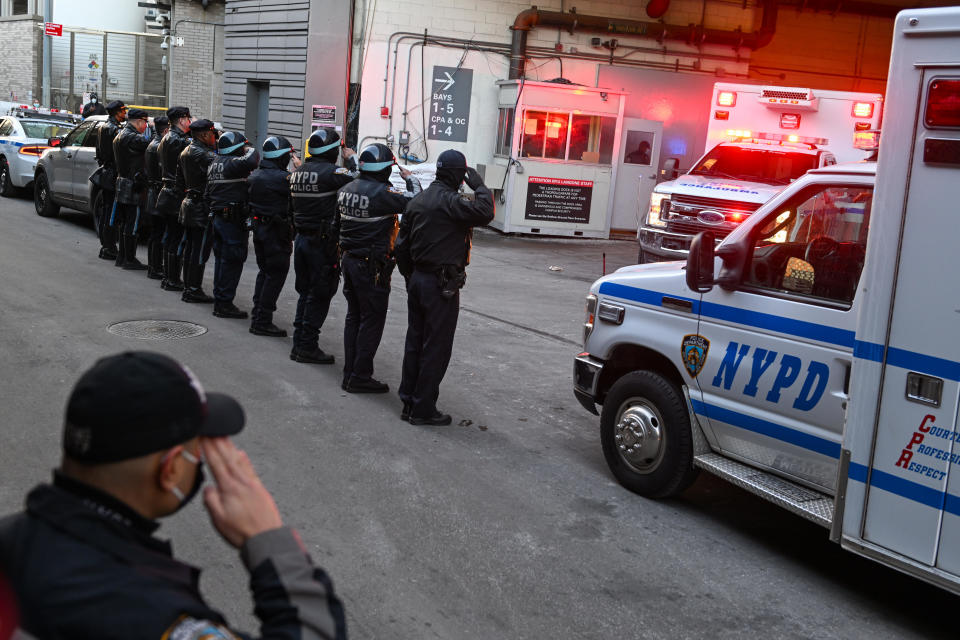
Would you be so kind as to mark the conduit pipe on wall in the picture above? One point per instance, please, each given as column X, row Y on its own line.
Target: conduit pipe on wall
column 691, row 34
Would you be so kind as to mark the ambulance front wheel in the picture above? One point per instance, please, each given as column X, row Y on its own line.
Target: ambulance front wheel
column 645, row 433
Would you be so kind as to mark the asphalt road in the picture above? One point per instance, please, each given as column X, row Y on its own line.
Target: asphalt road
column 504, row 525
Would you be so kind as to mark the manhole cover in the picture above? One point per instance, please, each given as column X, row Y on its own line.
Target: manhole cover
column 157, row 329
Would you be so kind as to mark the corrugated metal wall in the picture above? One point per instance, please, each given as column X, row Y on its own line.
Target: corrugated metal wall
column 266, row 41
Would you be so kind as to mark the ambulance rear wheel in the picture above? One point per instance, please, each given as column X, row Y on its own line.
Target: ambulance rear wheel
column 645, row 433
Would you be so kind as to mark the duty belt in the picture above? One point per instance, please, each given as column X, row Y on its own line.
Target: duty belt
column 344, row 216
column 325, row 194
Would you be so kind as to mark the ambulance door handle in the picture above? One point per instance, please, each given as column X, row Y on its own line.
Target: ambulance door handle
column 677, row 303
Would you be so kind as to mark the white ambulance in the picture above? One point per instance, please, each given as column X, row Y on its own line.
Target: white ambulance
column 759, row 140
column 812, row 358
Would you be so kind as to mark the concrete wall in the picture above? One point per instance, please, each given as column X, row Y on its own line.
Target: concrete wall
column 20, row 64
column 198, row 66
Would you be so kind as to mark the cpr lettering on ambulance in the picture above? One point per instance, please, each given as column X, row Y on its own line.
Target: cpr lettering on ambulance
column 558, row 199
column 787, row 374
column 449, row 114
column 933, row 442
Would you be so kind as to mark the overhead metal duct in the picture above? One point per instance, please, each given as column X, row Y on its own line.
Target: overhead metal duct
column 691, row 34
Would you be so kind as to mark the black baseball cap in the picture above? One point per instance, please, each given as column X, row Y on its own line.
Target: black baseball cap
column 175, row 113
column 202, row 125
column 136, row 114
column 449, row 159
column 138, row 402
column 115, row 105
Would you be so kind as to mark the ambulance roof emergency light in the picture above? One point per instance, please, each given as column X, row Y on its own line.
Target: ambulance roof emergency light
column 776, row 137
column 727, row 99
column 862, row 109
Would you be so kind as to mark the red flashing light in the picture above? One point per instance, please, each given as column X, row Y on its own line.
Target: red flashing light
column 735, row 217
column 727, row 99
column 943, row 104
column 862, row 109
column 721, row 115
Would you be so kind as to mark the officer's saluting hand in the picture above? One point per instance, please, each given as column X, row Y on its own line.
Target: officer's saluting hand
column 82, row 559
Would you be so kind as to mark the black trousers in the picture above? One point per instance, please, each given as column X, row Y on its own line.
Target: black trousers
column 315, row 266
column 158, row 229
column 431, row 325
column 366, row 316
column 230, row 246
column 196, row 245
column 107, row 231
column 272, row 244
column 129, row 219
column 172, row 234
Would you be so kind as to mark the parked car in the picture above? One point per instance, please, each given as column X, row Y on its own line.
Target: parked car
column 24, row 135
column 62, row 177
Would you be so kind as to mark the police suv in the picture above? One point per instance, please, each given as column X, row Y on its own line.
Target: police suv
column 811, row 358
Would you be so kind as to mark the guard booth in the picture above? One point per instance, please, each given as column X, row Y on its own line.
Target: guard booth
column 557, row 157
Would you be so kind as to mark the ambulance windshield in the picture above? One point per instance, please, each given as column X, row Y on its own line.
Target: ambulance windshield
column 755, row 165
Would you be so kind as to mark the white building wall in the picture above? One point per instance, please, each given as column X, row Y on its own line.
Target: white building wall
column 103, row 15
column 490, row 21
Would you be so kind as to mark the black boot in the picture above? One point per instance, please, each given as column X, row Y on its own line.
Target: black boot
column 267, row 329
column 172, row 268
column 367, row 386
column 313, row 355
column 436, row 420
column 193, row 281
column 108, row 253
column 121, row 251
column 227, row 310
column 405, row 412
column 130, row 262
column 155, row 261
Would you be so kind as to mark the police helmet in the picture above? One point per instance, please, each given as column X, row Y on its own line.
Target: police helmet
column 323, row 141
column 229, row 142
column 276, row 147
column 376, row 157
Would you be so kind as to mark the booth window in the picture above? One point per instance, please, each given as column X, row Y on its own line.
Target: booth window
column 566, row 136
column 505, row 132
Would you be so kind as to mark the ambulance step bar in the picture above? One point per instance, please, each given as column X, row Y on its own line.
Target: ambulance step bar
column 812, row 505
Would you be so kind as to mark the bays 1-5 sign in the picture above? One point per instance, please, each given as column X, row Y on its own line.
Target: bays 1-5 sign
column 449, row 104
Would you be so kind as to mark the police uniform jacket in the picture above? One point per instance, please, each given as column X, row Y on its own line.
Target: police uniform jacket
column 85, row 565
column 106, row 132
column 313, row 188
column 192, row 169
column 368, row 214
column 268, row 189
column 129, row 147
column 436, row 227
column 168, row 153
column 151, row 162
column 227, row 179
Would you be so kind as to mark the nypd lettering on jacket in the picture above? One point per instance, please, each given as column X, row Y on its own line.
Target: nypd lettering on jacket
column 309, row 181
column 355, row 205
column 776, row 377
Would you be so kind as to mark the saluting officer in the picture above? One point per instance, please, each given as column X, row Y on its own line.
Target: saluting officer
column 107, row 177
column 158, row 222
column 129, row 147
column 168, row 202
column 433, row 250
column 315, row 261
column 194, row 212
column 227, row 196
column 368, row 228
column 269, row 191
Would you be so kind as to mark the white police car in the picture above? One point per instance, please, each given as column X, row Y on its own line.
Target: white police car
column 24, row 136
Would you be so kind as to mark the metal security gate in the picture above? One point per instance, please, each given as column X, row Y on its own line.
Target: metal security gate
column 115, row 65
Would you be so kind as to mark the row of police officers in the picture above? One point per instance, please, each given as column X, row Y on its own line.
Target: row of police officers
column 195, row 190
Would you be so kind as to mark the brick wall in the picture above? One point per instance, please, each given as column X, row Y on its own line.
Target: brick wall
column 198, row 64
column 20, row 65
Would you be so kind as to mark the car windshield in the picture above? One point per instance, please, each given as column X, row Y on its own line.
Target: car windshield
column 772, row 166
column 44, row 130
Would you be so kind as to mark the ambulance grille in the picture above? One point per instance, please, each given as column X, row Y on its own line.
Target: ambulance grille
column 689, row 208
column 787, row 95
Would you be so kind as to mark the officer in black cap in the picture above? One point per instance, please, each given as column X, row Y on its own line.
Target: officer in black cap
column 433, row 250
column 269, row 192
column 315, row 253
column 227, row 196
column 171, row 195
column 106, row 178
column 368, row 209
column 195, row 160
column 82, row 558
column 158, row 222
column 129, row 147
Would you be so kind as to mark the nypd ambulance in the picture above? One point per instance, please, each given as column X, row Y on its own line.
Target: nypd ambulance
column 811, row 358
column 759, row 140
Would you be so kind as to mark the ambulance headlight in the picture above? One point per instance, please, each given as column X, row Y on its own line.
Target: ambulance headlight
column 591, row 309
column 659, row 206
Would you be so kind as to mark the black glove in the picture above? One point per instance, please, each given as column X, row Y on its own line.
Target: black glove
column 473, row 178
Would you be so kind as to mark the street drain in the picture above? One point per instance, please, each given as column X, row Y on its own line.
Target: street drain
column 156, row 329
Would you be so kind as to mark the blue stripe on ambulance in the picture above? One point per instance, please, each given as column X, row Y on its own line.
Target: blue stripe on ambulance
column 873, row 352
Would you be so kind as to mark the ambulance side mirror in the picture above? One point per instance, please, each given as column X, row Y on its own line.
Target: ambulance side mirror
column 700, row 263
column 670, row 170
